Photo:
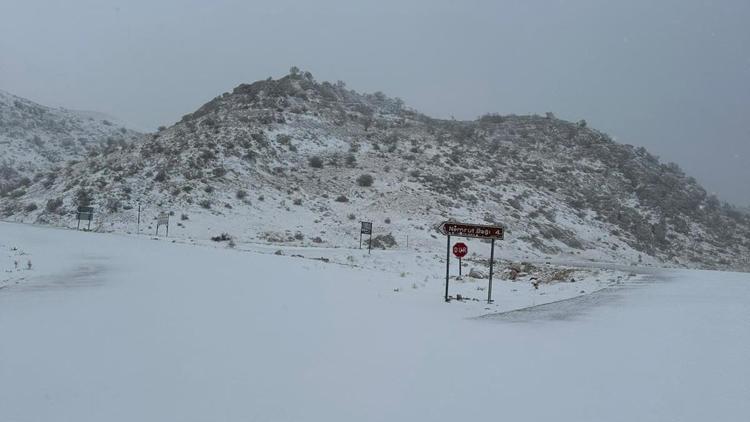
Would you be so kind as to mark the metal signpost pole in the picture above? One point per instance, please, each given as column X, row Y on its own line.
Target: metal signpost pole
column 492, row 262
column 447, row 266
column 365, row 228
column 459, row 267
column 139, row 218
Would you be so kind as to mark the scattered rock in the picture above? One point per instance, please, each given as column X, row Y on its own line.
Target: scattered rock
column 560, row 275
column 475, row 273
column 513, row 274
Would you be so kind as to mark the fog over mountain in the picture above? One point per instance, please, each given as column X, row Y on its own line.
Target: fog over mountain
column 668, row 75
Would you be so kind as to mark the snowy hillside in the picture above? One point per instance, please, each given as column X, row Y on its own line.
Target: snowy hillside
column 294, row 162
column 106, row 327
column 35, row 139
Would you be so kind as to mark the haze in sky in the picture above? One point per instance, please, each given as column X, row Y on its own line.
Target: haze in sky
column 671, row 75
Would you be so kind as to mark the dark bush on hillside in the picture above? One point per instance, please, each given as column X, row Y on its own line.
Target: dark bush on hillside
column 224, row 237
column 30, row 207
column 365, row 180
column 316, row 162
column 83, row 198
column 219, row 171
column 113, row 205
column 241, row 194
column 383, row 241
column 54, row 204
column 205, row 203
column 342, row 198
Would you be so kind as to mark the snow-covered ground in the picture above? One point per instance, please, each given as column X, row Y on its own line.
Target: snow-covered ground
column 107, row 327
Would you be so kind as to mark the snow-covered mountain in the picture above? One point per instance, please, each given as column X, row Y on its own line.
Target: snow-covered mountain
column 35, row 138
column 295, row 161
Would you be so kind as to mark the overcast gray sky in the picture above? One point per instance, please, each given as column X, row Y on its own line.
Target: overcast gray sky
column 671, row 75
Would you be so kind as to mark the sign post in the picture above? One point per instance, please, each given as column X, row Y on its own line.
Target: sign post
column 447, row 267
column 84, row 213
column 366, row 229
column 162, row 220
column 478, row 231
column 492, row 259
column 139, row 218
column 460, row 250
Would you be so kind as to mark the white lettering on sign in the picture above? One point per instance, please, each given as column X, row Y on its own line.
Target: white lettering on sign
column 472, row 230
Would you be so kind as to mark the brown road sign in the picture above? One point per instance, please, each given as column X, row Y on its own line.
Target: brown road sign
column 479, row 231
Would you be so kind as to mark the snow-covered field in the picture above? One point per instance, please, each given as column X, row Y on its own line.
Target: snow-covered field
column 107, row 327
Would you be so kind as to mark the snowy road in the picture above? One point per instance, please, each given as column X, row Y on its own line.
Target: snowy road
column 112, row 328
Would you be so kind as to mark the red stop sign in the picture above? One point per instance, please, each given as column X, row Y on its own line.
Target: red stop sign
column 460, row 249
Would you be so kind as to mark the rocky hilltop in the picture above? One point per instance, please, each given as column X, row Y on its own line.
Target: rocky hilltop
column 295, row 161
